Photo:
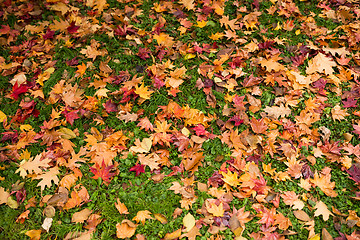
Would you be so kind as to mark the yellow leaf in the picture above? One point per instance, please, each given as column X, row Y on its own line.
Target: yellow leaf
column 33, row 234
column 81, row 69
column 278, row 26
column 26, row 127
column 161, row 218
column 216, row 36
column 315, row 237
column 188, row 222
column 102, row 92
column 2, row 116
column 67, row 133
column 217, row 211
column 143, row 92
column 189, row 56
column 231, row 178
column 201, row 24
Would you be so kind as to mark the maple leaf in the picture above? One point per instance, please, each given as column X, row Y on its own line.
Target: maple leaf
column 19, row 89
column 322, row 209
column 102, row 172
column 282, row 221
column 231, row 178
column 276, row 112
column 33, row 165
column 48, row 177
column 321, row 63
column 110, row 106
column 258, row 126
column 144, row 123
column 323, row 182
column 215, row 210
column 71, row 115
column 138, row 169
column 188, row 4
column 142, row 147
column 3, row 195
column 81, row 216
column 354, row 172
column 141, row 216
column 357, row 129
column 33, row 234
column 143, row 92
column 267, row 216
column 271, row 65
column 337, row 113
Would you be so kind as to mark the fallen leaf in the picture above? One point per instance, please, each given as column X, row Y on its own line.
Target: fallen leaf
column 322, row 209
column 126, row 229
column 301, row 215
column 161, row 218
column 174, row 235
column 81, row 216
column 33, row 234
column 188, row 222
column 121, row 207
column 141, row 216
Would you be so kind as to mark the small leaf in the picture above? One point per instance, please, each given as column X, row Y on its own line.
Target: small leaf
column 188, row 222
column 173, row 235
column 161, row 218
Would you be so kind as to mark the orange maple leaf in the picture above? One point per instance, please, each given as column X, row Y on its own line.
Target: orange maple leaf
column 143, row 91
column 121, row 207
column 141, row 216
column 323, row 182
column 258, row 126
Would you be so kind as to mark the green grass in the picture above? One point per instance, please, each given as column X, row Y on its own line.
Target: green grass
column 141, row 192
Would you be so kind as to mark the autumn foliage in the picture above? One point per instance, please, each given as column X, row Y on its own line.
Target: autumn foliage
column 263, row 93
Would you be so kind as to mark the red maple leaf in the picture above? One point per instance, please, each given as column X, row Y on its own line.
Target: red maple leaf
column 17, row 90
column 350, row 102
column 138, row 169
column 200, row 130
column 237, row 120
column 71, row 115
column 143, row 53
column 102, row 172
column 73, row 28
column 110, row 106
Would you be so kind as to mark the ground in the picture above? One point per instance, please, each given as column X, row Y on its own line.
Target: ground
column 190, row 119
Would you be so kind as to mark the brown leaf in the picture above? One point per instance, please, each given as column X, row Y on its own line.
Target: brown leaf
column 326, row 235
column 322, row 209
column 3, row 195
column 301, row 215
column 81, row 216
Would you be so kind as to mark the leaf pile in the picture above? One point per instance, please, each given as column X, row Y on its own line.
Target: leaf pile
column 246, row 112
